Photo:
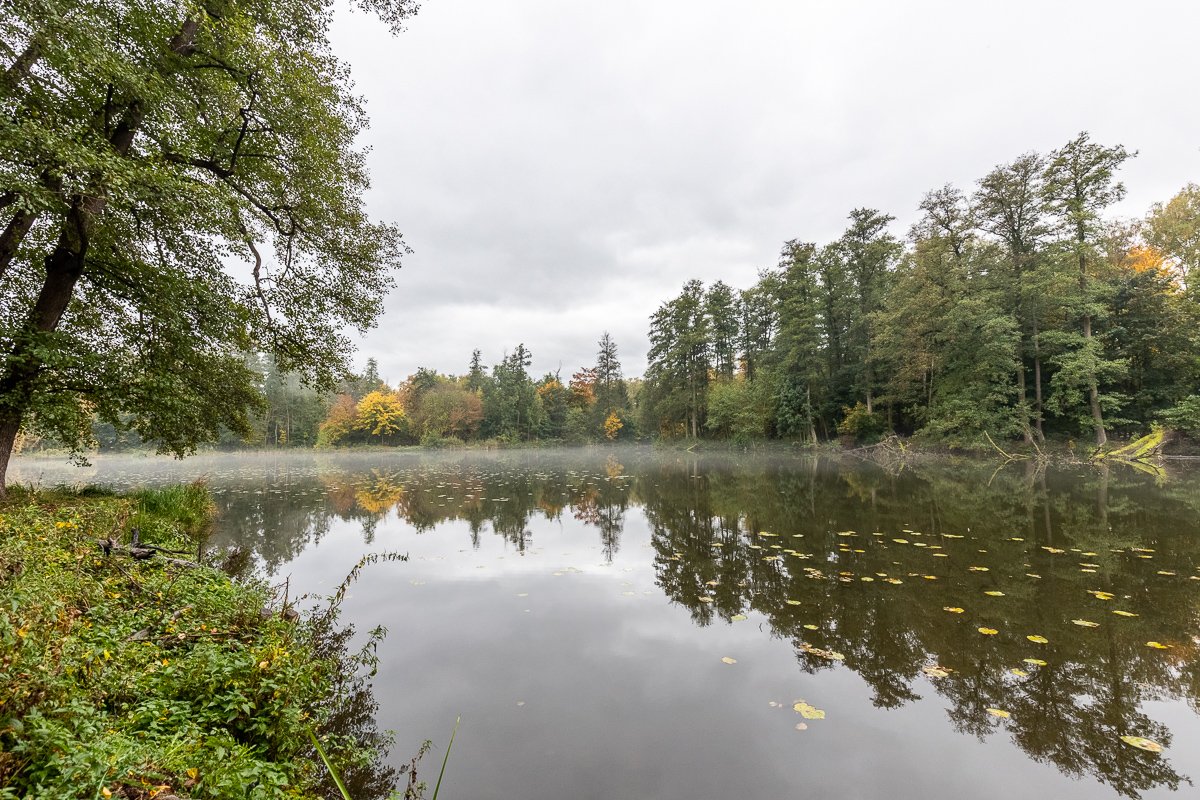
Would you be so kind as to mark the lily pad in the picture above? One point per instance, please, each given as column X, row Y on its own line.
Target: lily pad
column 729, row 660
column 1085, row 623
column 988, row 631
column 999, row 712
column 1038, row 639
column 737, row 618
column 953, row 609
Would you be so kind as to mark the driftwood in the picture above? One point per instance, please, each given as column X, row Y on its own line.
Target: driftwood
column 142, row 552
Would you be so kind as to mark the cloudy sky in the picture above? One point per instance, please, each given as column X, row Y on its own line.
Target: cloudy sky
column 561, row 168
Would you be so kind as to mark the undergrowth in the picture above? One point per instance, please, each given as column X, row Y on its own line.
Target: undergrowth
column 142, row 678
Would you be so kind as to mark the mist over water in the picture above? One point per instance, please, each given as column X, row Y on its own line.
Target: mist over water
column 580, row 610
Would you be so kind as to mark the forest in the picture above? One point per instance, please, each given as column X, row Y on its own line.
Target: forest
column 503, row 404
column 1018, row 311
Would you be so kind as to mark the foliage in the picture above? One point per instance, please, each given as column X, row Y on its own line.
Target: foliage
column 861, row 424
column 1184, row 415
column 1018, row 311
column 180, row 186
column 135, row 678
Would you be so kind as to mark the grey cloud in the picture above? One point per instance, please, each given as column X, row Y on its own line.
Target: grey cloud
column 562, row 168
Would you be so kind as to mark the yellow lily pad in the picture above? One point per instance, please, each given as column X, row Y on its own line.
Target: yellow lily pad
column 953, row 609
column 1085, row 623
column 994, row 593
column 737, row 618
column 1158, row 645
column 999, row 712
column 729, row 660
column 1037, row 662
column 1125, row 613
column 1037, row 639
column 988, row 631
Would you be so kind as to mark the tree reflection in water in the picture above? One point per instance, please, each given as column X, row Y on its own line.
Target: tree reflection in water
column 856, row 566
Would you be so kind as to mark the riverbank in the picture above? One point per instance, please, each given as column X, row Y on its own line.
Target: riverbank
column 134, row 672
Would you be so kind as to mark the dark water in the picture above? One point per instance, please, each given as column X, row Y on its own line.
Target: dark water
column 575, row 609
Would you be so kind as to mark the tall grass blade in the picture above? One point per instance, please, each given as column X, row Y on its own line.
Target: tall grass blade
column 446, row 758
column 333, row 772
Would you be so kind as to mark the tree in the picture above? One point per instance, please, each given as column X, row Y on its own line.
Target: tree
column 1174, row 229
column 720, row 306
column 611, row 394
column 1010, row 206
column 1080, row 182
column 381, row 414
column 477, row 376
column 869, row 252
column 510, row 405
column 799, row 341
column 678, row 368
column 144, row 146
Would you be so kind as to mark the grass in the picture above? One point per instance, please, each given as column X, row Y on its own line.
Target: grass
column 136, row 679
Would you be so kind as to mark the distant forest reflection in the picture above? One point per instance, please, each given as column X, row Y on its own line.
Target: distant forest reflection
column 884, row 573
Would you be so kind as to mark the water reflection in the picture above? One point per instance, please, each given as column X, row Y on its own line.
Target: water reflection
column 882, row 574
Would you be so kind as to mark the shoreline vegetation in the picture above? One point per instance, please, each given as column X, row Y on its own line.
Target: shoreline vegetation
column 132, row 671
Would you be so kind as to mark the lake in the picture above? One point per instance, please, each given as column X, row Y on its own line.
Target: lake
column 638, row 624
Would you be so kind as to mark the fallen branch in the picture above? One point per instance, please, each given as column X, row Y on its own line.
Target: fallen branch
column 142, row 552
column 1008, row 456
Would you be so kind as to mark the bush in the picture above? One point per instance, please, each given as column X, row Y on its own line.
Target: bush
column 860, row 424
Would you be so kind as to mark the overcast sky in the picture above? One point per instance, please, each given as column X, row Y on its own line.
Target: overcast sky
column 560, row 168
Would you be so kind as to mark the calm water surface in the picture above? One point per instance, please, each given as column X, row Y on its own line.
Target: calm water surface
column 624, row 624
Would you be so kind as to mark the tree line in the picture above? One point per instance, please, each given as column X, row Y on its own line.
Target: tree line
column 505, row 404
column 500, row 404
column 1018, row 310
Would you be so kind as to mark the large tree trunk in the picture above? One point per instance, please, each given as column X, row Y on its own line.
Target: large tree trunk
column 1023, row 395
column 1094, row 392
column 1093, row 388
column 1037, row 384
column 64, row 266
